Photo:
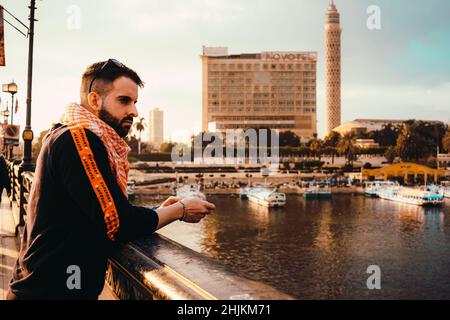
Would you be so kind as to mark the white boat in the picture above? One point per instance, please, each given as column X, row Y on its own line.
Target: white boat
column 190, row 190
column 412, row 196
column 243, row 192
column 315, row 191
column 131, row 185
column 266, row 197
column 373, row 187
column 445, row 188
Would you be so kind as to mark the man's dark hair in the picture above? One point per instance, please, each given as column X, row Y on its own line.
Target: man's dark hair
column 103, row 78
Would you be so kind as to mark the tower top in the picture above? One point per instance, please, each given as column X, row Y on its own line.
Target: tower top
column 332, row 13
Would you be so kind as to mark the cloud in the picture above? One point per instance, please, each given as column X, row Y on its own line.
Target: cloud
column 171, row 14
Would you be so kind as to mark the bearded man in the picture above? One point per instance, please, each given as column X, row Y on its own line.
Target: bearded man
column 78, row 207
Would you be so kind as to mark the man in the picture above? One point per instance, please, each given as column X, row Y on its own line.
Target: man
column 5, row 182
column 78, row 207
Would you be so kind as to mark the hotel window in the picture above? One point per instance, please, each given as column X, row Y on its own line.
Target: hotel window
column 223, row 66
column 265, row 66
column 256, row 66
column 273, row 66
column 240, row 66
column 281, row 66
column 298, row 66
column 248, row 66
column 231, row 66
column 289, row 67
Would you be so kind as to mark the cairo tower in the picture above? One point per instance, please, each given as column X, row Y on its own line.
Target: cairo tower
column 333, row 67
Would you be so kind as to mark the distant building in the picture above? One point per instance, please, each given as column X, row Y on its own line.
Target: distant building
column 156, row 127
column 443, row 160
column 275, row 90
column 366, row 143
column 358, row 126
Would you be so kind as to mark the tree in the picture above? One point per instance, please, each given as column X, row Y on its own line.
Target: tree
column 315, row 145
column 446, row 141
column 433, row 133
column 289, row 139
column 347, row 147
column 332, row 139
column 132, row 142
column 390, row 154
column 411, row 145
column 167, row 146
column 387, row 136
column 38, row 144
column 139, row 127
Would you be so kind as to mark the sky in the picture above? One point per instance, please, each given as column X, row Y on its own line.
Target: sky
column 400, row 70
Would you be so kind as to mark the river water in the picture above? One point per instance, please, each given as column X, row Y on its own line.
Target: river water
column 321, row 249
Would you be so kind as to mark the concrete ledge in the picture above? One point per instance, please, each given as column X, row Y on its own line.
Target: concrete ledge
column 158, row 268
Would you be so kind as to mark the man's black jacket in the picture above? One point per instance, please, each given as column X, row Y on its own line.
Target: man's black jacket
column 65, row 225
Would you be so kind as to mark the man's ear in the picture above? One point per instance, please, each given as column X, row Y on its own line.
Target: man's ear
column 94, row 101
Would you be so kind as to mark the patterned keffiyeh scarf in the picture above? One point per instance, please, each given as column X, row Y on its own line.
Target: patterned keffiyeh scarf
column 116, row 147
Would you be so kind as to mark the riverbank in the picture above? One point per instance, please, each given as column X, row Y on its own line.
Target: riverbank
column 165, row 190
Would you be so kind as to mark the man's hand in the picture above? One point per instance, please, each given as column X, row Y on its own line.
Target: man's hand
column 169, row 201
column 196, row 209
column 172, row 210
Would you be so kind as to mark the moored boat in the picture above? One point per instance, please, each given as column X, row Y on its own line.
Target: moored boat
column 266, row 197
column 445, row 188
column 243, row 192
column 412, row 196
column 316, row 191
column 131, row 189
column 372, row 188
column 190, row 190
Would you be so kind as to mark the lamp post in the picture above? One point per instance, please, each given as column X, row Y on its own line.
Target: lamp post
column 27, row 135
column 12, row 89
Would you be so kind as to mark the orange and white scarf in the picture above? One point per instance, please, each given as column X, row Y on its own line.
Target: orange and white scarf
column 116, row 147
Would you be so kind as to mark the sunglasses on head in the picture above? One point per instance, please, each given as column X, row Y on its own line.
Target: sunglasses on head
column 111, row 63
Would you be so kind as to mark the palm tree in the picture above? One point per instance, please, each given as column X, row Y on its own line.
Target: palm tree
column 411, row 145
column 347, row 147
column 315, row 145
column 139, row 127
column 446, row 141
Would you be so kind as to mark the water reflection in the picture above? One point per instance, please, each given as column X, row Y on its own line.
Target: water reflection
column 320, row 249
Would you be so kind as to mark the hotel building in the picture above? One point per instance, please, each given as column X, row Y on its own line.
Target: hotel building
column 275, row 90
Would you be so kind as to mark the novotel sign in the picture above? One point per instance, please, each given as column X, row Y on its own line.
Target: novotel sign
column 288, row 56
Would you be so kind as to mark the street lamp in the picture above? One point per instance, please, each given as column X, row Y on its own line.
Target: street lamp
column 12, row 89
column 6, row 115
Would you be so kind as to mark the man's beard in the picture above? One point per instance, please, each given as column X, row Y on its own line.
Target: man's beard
column 114, row 123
